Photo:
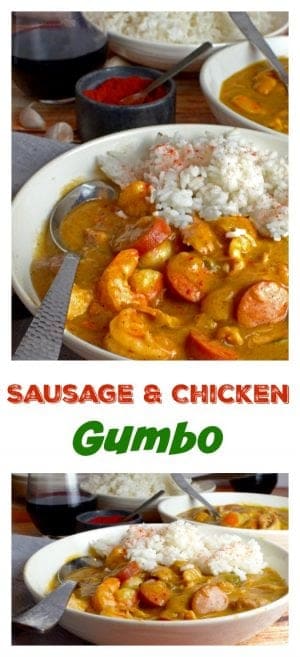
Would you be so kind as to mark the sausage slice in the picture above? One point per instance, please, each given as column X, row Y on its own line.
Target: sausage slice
column 154, row 593
column 208, row 600
column 265, row 302
column 201, row 348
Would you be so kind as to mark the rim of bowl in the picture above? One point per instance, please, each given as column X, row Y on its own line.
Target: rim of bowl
column 73, row 342
column 235, row 116
column 129, row 70
column 211, row 621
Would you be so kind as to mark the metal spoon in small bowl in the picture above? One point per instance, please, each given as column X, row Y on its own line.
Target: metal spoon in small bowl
column 44, row 336
column 138, row 97
column 184, row 485
column 245, row 25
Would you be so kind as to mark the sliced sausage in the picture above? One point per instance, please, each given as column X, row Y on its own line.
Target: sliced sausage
column 265, row 302
column 188, row 277
column 201, row 348
column 143, row 235
column 154, row 593
column 130, row 570
column 208, row 600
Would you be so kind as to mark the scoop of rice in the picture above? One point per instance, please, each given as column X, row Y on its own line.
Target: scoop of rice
column 130, row 485
column 212, row 176
column 184, row 541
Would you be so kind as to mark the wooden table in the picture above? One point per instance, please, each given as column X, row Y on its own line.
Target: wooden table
column 191, row 106
column 276, row 634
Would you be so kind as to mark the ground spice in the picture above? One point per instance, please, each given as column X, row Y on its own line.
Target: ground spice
column 106, row 520
column 113, row 90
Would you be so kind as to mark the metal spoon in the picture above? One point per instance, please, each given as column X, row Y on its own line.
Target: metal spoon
column 141, row 507
column 184, row 485
column 46, row 614
column 245, row 25
column 179, row 66
column 43, row 339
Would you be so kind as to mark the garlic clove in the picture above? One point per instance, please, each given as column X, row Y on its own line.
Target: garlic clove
column 60, row 131
column 116, row 61
column 30, row 118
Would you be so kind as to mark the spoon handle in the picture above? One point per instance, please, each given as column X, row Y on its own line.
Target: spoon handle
column 184, row 485
column 179, row 66
column 244, row 23
column 46, row 613
column 43, row 338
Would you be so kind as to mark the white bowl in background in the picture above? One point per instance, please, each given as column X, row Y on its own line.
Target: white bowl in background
column 162, row 55
column 37, row 197
column 222, row 65
column 131, row 503
column 102, row 630
column 170, row 508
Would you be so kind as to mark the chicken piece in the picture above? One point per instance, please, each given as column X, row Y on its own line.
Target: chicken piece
column 79, row 301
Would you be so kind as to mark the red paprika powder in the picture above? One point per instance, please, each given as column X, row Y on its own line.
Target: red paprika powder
column 113, row 90
column 106, row 520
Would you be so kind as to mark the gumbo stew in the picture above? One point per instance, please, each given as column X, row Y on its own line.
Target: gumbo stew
column 145, row 290
column 243, row 516
column 257, row 93
column 122, row 588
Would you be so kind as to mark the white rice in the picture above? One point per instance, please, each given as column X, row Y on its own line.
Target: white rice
column 211, row 176
column 130, row 485
column 181, row 27
column 184, row 541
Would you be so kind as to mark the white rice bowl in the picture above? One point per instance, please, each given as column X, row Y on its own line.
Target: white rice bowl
column 81, row 163
column 160, row 39
column 126, row 491
column 102, row 630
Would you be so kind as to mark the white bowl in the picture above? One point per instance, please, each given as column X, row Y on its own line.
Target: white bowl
column 222, row 65
column 151, row 513
column 226, row 630
column 170, row 508
column 33, row 203
column 162, row 55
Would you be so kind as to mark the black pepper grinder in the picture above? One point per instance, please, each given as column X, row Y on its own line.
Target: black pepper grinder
column 256, row 483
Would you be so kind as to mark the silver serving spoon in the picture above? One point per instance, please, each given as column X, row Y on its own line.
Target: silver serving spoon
column 43, row 339
column 170, row 73
column 184, row 485
column 245, row 25
column 46, row 614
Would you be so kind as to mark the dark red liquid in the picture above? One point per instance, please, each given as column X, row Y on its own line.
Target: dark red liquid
column 48, row 61
column 55, row 514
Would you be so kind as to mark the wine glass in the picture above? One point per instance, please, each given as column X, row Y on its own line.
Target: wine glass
column 256, row 483
column 54, row 500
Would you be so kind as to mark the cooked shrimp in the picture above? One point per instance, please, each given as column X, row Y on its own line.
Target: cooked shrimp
column 132, row 333
column 113, row 288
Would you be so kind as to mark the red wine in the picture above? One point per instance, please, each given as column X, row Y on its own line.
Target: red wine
column 47, row 61
column 55, row 514
column 258, row 483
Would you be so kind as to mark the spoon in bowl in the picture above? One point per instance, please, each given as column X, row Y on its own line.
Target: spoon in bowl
column 245, row 25
column 139, row 96
column 44, row 336
column 46, row 614
column 184, row 485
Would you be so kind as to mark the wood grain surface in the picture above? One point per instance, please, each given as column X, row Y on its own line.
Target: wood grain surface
column 191, row 106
